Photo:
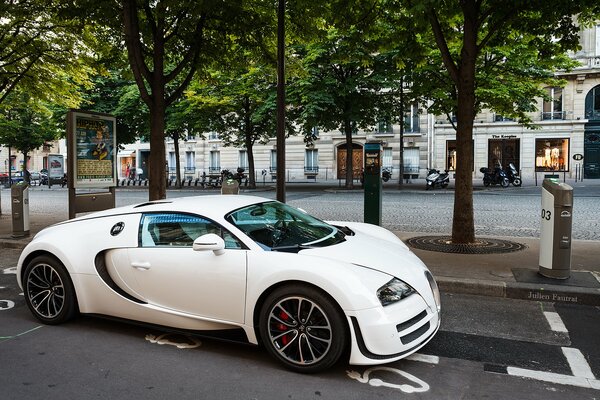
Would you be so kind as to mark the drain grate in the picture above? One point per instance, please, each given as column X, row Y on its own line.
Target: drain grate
column 481, row 246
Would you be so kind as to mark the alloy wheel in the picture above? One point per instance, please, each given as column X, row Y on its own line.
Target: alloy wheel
column 299, row 330
column 45, row 290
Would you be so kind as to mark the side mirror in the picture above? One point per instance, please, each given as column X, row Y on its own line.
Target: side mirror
column 210, row 241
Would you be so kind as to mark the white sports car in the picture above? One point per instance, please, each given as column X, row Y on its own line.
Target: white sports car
column 306, row 289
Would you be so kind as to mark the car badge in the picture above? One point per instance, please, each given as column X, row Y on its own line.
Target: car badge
column 117, row 228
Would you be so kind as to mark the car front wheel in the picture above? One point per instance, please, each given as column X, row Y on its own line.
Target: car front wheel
column 302, row 328
column 48, row 291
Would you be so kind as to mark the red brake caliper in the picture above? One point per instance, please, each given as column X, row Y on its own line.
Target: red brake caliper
column 283, row 315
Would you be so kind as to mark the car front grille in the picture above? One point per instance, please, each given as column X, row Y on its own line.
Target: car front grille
column 407, row 324
column 406, row 339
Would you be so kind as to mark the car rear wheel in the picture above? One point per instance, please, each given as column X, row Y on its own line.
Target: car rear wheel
column 302, row 328
column 48, row 291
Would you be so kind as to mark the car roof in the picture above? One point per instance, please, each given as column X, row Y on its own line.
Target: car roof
column 208, row 205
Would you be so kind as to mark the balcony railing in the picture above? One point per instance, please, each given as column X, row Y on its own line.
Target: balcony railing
column 214, row 170
column 553, row 115
column 592, row 115
column 189, row 170
column 311, row 169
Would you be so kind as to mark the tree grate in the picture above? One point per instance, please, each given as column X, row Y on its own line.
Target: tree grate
column 481, row 246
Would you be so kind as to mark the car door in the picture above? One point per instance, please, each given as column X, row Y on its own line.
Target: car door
column 166, row 272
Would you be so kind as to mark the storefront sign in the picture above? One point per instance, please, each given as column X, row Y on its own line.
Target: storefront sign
column 577, row 157
column 92, row 145
column 504, row 136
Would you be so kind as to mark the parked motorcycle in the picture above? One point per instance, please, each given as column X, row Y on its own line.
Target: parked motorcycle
column 435, row 178
column 513, row 175
column 386, row 174
column 494, row 177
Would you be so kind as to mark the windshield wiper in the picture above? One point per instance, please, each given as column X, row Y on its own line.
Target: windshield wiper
column 294, row 248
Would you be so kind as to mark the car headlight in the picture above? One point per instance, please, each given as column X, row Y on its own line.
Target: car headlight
column 393, row 291
column 434, row 289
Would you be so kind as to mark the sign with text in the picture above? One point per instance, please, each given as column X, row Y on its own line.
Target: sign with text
column 92, row 150
column 56, row 166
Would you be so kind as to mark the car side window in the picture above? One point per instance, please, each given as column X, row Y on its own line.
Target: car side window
column 180, row 230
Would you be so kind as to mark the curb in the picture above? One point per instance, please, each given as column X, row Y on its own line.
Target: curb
column 521, row 291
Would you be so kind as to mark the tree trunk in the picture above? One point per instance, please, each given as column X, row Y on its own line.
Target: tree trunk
column 349, row 170
column 463, row 224
column 177, row 160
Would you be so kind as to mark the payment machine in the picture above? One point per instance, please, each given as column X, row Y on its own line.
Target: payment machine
column 372, row 183
column 555, row 229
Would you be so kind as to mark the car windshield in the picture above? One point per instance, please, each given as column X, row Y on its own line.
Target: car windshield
column 279, row 227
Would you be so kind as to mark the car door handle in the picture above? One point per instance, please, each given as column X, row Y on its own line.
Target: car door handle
column 141, row 265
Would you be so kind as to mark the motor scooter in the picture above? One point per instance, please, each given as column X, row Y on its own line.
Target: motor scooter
column 513, row 175
column 435, row 178
column 386, row 174
column 495, row 177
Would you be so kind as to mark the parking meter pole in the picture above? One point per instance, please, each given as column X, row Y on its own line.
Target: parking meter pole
column 20, row 209
column 555, row 229
column 372, row 183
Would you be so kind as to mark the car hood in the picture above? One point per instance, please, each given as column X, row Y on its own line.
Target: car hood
column 390, row 257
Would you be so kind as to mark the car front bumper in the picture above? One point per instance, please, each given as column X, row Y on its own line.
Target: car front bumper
column 385, row 334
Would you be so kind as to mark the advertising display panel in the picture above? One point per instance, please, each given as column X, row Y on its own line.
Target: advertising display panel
column 92, row 145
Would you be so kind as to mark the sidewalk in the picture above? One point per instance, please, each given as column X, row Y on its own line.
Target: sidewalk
column 508, row 275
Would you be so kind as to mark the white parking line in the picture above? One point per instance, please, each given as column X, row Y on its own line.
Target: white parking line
column 555, row 378
column 556, row 323
column 424, row 358
column 578, row 363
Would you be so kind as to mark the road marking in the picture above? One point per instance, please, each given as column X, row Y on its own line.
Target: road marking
column 578, row 363
column 556, row 323
column 424, row 358
column 365, row 378
column 6, row 305
column 555, row 378
column 163, row 339
column 11, row 270
column 21, row 334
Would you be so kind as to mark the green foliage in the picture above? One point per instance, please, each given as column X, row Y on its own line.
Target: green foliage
column 42, row 52
column 26, row 123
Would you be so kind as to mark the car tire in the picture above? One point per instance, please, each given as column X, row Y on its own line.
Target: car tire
column 303, row 328
column 48, row 290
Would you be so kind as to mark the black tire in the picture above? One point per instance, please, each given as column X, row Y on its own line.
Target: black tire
column 444, row 185
column 486, row 182
column 302, row 328
column 48, row 291
column 504, row 182
column 517, row 182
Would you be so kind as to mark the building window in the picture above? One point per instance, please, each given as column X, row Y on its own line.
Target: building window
column 384, row 127
column 243, row 159
column 214, row 166
column 315, row 131
column 213, row 136
column 502, row 118
column 311, row 161
column 553, row 108
column 273, row 161
column 387, row 158
column 190, row 162
column 172, row 163
column 592, row 104
column 410, row 160
column 411, row 119
column 552, row 154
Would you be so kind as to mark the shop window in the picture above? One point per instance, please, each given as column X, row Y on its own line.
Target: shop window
column 451, row 155
column 552, row 154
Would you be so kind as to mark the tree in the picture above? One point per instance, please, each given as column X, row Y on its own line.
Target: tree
column 42, row 51
column 239, row 104
column 494, row 53
column 25, row 124
column 343, row 85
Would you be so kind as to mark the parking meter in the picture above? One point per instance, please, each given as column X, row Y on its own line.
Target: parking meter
column 372, row 183
column 555, row 229
column 20, row 209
